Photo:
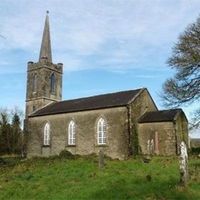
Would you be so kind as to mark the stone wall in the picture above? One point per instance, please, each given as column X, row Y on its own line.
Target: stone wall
column 167, row 136
column 86, row 133
column 41, row 95
column 36, row 104
column 143, row 103
column 181, row 128
column 163, row 135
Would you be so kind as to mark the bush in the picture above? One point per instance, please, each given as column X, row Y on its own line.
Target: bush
column 66, row 154
column 2, row 161
column 195, row 151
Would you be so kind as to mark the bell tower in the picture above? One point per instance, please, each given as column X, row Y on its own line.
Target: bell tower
column 44, row 79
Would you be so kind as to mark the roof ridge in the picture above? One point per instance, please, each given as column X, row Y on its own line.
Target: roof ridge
column 165, row 110
column 160, row 115
column 108, row 100
column 133, row 99
column 122, row 91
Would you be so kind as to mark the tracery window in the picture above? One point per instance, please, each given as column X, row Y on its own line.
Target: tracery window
column 101, row 131
column 71, row 133
column 53, row 83
column 34, row 82
column 46, row 140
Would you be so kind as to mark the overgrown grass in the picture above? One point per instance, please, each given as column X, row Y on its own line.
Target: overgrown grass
column 80, row 178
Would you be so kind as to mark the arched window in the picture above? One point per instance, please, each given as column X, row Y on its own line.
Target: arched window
column 47, row 134
column 53, row 83
column 34, row 108
column 101, row 131
column 34, row 82
column 71, row 133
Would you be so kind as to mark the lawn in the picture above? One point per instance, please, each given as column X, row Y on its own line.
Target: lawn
column 80, row 178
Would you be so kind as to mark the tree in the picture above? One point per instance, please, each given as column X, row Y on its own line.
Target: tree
column 5, row 130
column 184, row 87
column 11, row 135
column 16, row 137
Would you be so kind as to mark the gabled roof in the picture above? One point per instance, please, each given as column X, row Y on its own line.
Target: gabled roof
column 159, row 116
column 110, row 100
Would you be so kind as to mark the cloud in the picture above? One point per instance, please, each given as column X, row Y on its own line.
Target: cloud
column 143, row 76
column 195, row 133
column 112, row 34
column 132, row 38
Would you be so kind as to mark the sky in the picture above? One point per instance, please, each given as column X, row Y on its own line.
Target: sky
column 105, row 45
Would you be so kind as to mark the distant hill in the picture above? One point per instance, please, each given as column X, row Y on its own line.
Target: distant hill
column 195, row 142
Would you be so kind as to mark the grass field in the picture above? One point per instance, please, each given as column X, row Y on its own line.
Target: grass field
column 59, row 178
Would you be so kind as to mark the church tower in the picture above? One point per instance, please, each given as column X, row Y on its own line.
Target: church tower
column 44, row 79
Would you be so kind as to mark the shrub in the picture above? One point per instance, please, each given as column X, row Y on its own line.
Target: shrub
column 2, row 161
column 66, row 154
column 195, row 151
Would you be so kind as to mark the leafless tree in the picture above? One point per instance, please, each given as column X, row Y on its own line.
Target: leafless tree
column 184, row 87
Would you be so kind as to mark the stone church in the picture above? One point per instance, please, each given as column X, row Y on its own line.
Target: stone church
column 121, row 124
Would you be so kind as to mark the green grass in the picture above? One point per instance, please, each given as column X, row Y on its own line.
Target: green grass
column 57, row 178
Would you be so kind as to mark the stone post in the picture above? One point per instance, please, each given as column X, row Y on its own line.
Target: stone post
column 183, row 161
column 101, row 159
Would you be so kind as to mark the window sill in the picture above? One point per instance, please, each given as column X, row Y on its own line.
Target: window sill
column 101, row 145
column 45, row 145
column 71, row 145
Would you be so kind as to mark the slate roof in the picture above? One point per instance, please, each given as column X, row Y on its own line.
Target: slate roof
column 89, row 103
column 159, row 116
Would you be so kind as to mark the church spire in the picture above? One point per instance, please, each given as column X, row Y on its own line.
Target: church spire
column 45, row 51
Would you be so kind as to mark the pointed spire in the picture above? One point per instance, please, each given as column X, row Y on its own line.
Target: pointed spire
column 45, row 51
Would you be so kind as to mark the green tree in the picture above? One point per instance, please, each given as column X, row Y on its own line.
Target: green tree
column 16, row 137
column 11, row 134
column 184, row 87
column 5, row 130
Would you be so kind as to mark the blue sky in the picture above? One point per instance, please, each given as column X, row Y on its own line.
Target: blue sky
column 105, row 45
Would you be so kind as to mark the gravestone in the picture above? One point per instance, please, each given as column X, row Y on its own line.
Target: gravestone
column 150, row 147
column 183, row 161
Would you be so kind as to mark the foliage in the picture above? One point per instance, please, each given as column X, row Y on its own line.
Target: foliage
column 2, row 162
column 195, row 150
column 66, row 154
column 81, row 179
column 136, row 148
column 11, row 135
column 184, row 87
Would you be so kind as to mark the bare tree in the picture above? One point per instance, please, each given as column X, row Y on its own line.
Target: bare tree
column 184, row 87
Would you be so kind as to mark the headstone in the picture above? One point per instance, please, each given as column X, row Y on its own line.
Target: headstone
column 183, row 161
column 152, row 147
column 148, row 147
column 101, row 159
